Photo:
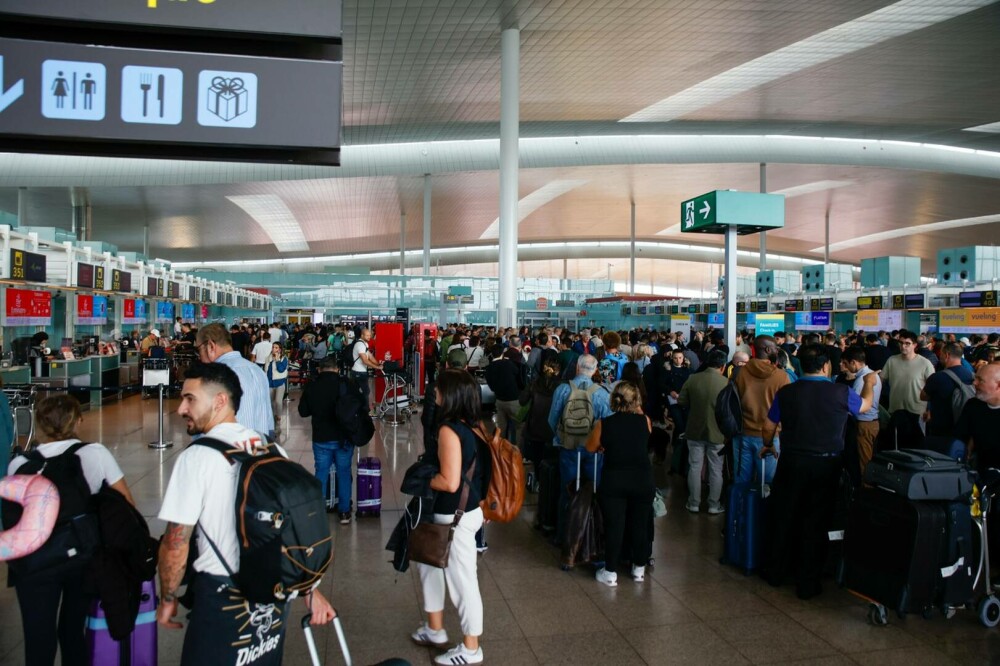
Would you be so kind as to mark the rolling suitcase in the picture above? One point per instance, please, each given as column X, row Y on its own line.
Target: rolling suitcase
column 909, row 556
column 744, row 516
column 548, row 494
column 369, row 486
column 920, row 474
column 139, row 650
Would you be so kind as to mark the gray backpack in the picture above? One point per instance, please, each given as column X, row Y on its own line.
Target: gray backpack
column 961, row 394
column 577, row 420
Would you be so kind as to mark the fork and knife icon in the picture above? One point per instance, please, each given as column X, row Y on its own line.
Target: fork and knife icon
column 146, row 84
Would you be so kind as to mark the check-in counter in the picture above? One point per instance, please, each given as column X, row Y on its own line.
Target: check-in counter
column 130, row 372
column 18, row 374
column 104, row 373
column 73, row 375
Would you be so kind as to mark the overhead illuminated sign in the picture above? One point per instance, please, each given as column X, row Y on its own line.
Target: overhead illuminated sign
column 749, row 212
column 121, row 280
column 870, row 303
column 320, row 19
column 907, row 301
column 977, row 299
column 27, row 266
column 124, row 101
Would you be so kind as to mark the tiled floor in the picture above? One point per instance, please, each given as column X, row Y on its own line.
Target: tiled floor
column 689, row 610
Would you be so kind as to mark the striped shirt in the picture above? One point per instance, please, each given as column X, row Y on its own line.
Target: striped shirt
column 255, row 406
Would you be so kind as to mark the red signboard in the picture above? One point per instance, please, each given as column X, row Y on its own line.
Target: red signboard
column 128, row 308
column 84, row 307
column 27, row 307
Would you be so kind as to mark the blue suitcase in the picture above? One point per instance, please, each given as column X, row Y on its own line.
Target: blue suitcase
column 744, row 524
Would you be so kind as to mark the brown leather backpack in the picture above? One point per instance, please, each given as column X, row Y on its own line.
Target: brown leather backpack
column 505, row 494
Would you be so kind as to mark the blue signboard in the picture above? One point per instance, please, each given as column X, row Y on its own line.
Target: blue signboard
column 717, row 319
column 164, row 311
column 187, row 313
column 140, row 311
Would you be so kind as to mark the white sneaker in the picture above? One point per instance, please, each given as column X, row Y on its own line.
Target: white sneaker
column 638, row 574
column 424, row 635
column 460, row 655
column 714, row 511
column 609, row 578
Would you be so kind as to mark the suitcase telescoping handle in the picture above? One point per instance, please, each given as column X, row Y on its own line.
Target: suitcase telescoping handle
column 313, row 654
column 579, row 469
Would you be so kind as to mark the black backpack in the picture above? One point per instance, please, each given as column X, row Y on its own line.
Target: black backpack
column 351, row 413
column 281, row 525
column 729, row 412
column 75, row 537
column 347, row 354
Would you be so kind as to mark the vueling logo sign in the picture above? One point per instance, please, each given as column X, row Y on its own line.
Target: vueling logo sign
column 153, row 4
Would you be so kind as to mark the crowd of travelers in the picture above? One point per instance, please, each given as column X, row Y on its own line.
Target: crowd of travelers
column 592, row 412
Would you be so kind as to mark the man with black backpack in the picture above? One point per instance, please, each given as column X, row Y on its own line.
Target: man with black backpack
column 338, row 408
column 946, row 393
column 231, row 621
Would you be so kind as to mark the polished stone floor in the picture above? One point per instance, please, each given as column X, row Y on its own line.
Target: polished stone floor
column 690, row 609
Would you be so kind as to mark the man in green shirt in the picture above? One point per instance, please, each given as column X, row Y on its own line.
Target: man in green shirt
column 704, row 439
column 906, row 374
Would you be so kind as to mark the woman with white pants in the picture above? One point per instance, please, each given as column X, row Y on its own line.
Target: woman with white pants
column 458, row 405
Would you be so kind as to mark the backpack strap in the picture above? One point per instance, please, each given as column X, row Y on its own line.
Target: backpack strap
column 958, row 382
column 232, row 454
column 35, row 455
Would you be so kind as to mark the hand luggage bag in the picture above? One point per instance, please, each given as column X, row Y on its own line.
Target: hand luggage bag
column 584, row 538
column 369, row 487
column 909, row 556
column 920, row 474
column 139, row 650
column 744, row 516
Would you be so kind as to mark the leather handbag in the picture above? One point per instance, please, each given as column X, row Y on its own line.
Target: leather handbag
column 430, row 543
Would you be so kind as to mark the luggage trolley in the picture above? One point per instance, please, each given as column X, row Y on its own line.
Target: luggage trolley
column 22, row 410
column 394, row 407
column 984, row 601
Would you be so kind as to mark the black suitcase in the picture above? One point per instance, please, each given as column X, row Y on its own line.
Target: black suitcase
column 548, row 494
column 909, row 556
column 920, row 474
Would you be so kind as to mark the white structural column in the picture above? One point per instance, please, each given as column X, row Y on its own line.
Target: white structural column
column 631, row 256
column 427, row 224
column 402, row 244
column 510, row 95
column 730, row 289
column 763, row 234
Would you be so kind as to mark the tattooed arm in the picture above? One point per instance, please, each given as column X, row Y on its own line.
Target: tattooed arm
column 173, row 560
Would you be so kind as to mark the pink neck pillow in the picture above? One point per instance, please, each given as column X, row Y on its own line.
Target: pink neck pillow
column 40, row 500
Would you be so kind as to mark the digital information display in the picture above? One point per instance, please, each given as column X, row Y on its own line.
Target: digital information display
column 226, row 105
column 27, row 266
column 977, row 299
column 121, row 280
column 870, row 303
column 320, row 19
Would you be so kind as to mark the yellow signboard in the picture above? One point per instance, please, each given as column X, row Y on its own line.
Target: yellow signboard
column 969, row 320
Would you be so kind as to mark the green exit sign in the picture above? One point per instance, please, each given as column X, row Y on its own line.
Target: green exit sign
column 749, row 212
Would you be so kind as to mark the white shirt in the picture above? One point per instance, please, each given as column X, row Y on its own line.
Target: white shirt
column 277, row 335
column 96, row 461
column 360, row 347
column 261, row 352
column 202, row 492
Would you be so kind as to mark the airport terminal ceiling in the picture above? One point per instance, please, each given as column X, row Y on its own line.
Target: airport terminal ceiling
column 427, row 73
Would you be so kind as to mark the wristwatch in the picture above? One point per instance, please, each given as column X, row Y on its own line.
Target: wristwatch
column 169, row 598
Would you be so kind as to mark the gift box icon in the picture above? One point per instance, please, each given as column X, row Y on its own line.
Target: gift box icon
column 227, row 97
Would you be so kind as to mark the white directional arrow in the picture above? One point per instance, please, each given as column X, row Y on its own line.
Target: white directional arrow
column 705, row 210
column 8, row 97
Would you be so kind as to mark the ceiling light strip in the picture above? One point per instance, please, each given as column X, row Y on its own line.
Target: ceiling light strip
column 274, row 217
column 911, row 231
column 896, row 20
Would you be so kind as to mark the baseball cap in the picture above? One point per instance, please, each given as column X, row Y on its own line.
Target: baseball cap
column 965, row 341
column 154, row 332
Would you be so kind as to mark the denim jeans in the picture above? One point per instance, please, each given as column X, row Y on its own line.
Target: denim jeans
column 746, row 449
column 337, row 454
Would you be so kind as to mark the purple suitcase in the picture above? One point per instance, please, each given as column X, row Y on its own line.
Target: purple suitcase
column 140, row 650
column 369, row 487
